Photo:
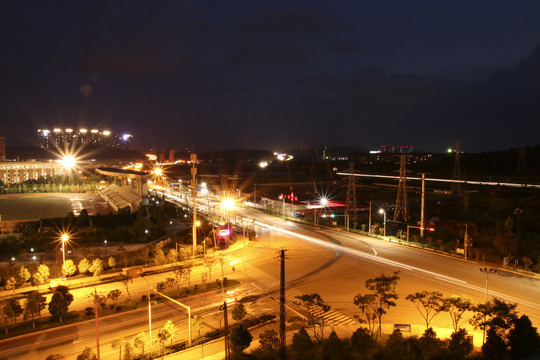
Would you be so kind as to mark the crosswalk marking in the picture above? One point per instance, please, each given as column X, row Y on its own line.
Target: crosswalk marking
column 331, row 318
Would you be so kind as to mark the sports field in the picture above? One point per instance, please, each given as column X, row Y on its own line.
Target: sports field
column 43, row 206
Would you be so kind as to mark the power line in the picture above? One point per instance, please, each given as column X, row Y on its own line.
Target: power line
column 489, row 183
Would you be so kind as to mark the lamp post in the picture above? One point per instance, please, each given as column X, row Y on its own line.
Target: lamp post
column 188, row 308
column 68, row 161
column 381, row 211
column 487, row 271
column 149, row 314
column 65, row 237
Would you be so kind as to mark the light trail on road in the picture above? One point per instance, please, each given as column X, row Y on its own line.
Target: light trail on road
column 375, row 258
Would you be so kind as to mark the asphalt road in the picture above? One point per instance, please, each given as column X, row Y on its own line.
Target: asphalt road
column 333, row 263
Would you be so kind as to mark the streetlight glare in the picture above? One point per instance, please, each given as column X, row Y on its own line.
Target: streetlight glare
column 65, row 237
column 381, row 211
column 323, row 201
column 228, row 203
column 68, row 161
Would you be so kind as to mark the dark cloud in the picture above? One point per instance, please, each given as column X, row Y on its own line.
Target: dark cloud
column 345, row 47
column 130, row 37
column 291, row 22
column 261, row 74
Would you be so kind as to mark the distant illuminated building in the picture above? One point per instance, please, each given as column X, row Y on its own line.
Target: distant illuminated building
column 68, row 137
column 17, row 172
column 394, row 149
column 2, row 149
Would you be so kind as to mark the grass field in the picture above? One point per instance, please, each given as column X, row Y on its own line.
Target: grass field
column 34, row 207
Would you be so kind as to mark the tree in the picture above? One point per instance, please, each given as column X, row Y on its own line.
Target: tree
column 456, row 307
column 429, row 344
column 172, row 256
column 301, row 343
column 112, row 262
column 209, row 262
column 55, row 357
column 37, row 280
column 11, row 284
column 315, row 306
column 23, row 274
column 384, row 288
column 125, row 280
column 171, row 329
column 186, row 274
column 44, row 271
column 428, row 304
column 140, row 341
column 523, row 339
column 118, row 344
column 97, row 267
column 460, row 344
column 239, row 312
column 35, row 302
column 128, row 351
column 363, row 343
column 69, row 268
column 12, row 309
column 87, row 354
column 163, row 336
column 495, row 347
column 240, row 339
column 269, row 340
column 60, row 301
column 333, row 348
column 159, row 258
column 196, row 323
column 114, row 295
column 495, row 314
column 368, row 307
column 84, row 266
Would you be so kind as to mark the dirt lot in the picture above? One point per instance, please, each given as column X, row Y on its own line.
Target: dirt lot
column 43, row 206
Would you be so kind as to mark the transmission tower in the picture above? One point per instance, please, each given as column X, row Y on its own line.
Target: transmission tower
column 401, row 201
column 351, row 193
column 456, row 186
column 282, row 329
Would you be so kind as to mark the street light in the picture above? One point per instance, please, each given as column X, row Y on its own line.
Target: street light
column 69, row 162
column 487, row 271
column 149, row 314
column 381, row 211
column 64, row 238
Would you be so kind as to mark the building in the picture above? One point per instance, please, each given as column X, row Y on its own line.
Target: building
column 2, row 149
column 17, row 172
column 65, row 138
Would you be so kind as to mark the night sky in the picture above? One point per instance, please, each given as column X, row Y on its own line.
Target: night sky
column 275, row 74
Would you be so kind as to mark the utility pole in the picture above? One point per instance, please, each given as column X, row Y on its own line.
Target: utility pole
column 97, row 324
column 369, row 225
column 226, row 326
column 282, row 329
column 194, row 196
column 422, row 207
column 465, row 241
